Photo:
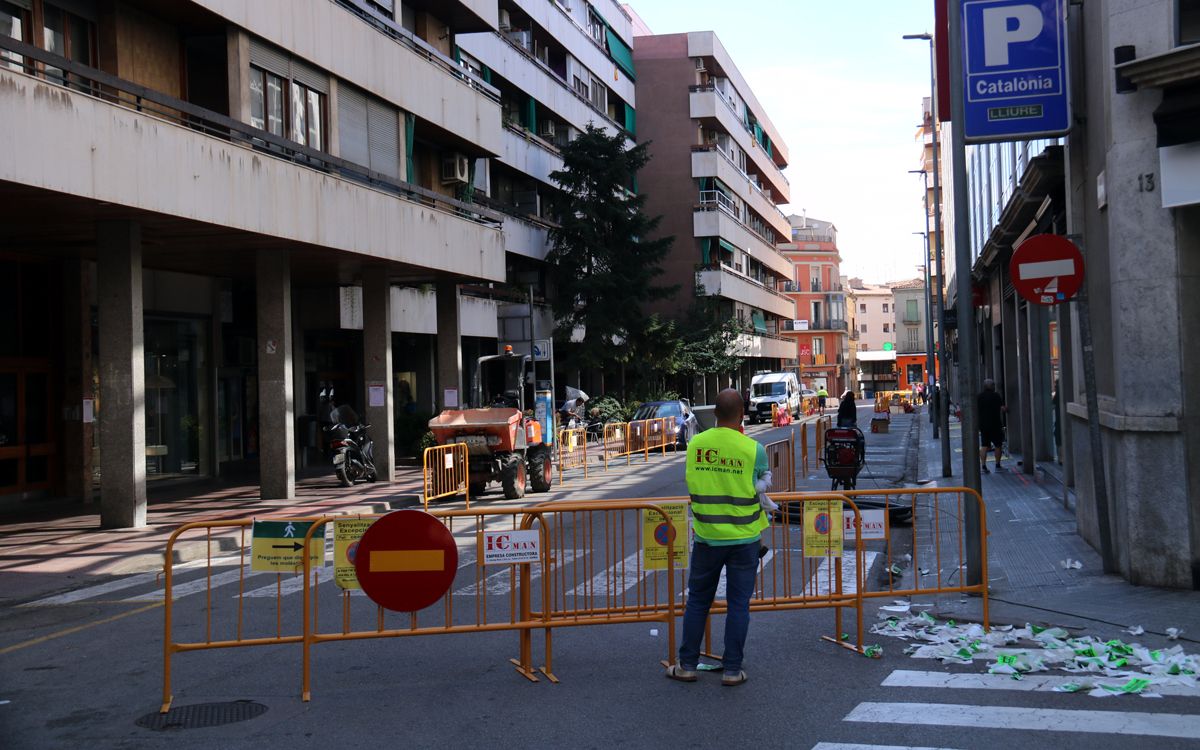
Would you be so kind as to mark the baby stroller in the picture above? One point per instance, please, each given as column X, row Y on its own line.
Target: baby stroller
column 845, row 455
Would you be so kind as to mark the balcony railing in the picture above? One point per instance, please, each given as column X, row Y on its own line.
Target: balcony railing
column 714, row 148
column 914, row 320
column 712, row 199
column 708, row 88
column 93, row 82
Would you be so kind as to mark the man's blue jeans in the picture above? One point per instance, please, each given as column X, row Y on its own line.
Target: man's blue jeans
column 740, row 562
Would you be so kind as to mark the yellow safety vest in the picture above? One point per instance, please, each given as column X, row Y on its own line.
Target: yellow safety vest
column 720, row 479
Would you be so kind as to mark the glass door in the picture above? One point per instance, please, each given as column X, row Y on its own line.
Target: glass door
column 27, row 448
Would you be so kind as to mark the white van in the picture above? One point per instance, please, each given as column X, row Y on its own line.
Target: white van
column 769, row 388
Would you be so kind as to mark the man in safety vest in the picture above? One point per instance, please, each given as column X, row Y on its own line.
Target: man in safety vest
column 723, row 467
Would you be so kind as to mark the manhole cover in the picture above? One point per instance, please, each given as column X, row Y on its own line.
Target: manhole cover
column 202, row 715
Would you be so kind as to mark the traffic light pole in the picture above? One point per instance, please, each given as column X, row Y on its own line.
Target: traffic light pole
column 968, row 350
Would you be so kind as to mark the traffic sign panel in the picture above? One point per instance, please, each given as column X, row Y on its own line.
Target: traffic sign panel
column 1014, row 69
column 276, row 546
column 658, row 533
column 1046, row 269
column 406, row 561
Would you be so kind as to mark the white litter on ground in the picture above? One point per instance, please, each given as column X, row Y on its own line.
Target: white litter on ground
column 1105, row 668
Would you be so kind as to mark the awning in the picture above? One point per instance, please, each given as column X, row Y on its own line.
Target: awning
column 728, row 246
column 622, row 55
column 759, row 320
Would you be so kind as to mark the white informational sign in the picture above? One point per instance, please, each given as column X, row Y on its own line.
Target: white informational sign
column 874, row 524
column 376, row 394
column 89, row 411
column 450, row 398
column 509, row 547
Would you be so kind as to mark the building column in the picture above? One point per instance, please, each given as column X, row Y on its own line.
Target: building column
column 377, row 369
column 276, row 425
column 1026, row 396
column 122, row 375
column 449, row 347
column 1040, row 384
column 77, row 382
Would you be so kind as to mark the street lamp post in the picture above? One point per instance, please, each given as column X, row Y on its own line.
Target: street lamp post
column 943, row 401
column 929, row 366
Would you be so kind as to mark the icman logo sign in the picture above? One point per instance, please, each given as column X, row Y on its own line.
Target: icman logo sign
column 510, row 547
column 713, row 457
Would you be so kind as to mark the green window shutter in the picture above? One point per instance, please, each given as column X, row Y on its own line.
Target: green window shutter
column 410, row 125
column 630, row 119
column 531, row 115
column 621, row 54
column 706, row 250
column 487, row 74
column 759, row 320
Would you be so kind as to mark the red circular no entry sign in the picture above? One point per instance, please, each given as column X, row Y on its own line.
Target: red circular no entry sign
column 1046, row 269
column 406, row 561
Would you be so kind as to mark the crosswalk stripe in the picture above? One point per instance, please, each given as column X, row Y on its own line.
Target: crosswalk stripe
column 119, row 584
column 1029, row 682
column 178, row 591
column 622, row 577
column 858, row 746
column 766, row 559
column 825, row 580
column 501, row 581
column 1028, row 719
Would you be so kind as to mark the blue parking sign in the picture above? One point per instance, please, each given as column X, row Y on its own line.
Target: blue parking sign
column 1014, row 69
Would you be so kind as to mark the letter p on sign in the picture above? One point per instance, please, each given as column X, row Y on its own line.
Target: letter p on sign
column 1008, row 25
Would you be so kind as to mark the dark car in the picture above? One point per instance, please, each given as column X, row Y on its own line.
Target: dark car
column 686, row 425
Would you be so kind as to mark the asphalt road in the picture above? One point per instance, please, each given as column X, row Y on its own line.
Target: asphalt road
column 88, row 687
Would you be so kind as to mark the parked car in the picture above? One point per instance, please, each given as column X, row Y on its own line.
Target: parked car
column 807, row 393
column 686, row 425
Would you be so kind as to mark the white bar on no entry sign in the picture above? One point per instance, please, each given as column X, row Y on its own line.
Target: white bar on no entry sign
column 1030, row 719
column 1046, row 268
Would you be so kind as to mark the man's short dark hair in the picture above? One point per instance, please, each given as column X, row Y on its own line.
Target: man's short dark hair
column 729, row 406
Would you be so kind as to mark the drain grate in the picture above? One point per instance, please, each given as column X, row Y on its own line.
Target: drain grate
column 202, row 715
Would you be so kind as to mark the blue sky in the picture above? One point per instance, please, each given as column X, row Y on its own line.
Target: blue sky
column 844, row 91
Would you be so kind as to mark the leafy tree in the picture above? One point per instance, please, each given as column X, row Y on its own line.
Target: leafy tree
column 602, row 264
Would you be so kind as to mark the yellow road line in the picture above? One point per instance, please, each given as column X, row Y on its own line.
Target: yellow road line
column 76, row 629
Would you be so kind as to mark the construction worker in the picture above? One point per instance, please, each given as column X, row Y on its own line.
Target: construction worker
column 822, row 398
column 725, row 472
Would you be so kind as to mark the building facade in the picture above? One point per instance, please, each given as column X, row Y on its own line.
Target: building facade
column 874, row 314
column 226, row 212
column 820, row 328
column 1123, row 186
column 716, row 179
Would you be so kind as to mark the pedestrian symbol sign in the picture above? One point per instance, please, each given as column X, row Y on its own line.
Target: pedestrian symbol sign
column 276, row 546
column 823, row 528
column 657, row 533
column 347, row 532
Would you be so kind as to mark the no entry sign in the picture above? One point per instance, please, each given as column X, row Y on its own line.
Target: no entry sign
column 406, row 561
column 1046, row 269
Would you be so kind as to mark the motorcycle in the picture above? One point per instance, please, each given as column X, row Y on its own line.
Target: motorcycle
column 353, row 449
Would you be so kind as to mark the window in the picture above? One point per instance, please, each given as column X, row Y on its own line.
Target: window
column 863, row 329
column 266, row 101
column 1189, row 21
column 818, row 345
column 862, row 308
column 914, row 339
column 595, row 26
column 816, row 283
column 14, row 21
column 885, row 308
column 910, row 310
column 599, row 95
column 308, row 109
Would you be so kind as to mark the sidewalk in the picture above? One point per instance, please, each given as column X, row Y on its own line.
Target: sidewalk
column 1030, row 534
column 62, row 547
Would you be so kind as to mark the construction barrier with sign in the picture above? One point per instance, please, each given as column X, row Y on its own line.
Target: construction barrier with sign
column 544, row 567
column 781, row 460
column 445, row 472
column 572, row 452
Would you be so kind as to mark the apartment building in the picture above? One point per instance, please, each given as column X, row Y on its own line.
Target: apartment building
column 197, row 186
column 819, row 329
column 558, row 66
column 872, row 312
column 908, row 325
column 716, row 178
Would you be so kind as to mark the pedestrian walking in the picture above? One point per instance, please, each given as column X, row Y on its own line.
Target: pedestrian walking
column 991, row 422
column 725, row 472
column 822, row 397
column 847, row 414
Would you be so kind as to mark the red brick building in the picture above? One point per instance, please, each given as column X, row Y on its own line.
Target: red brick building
column 819, row 328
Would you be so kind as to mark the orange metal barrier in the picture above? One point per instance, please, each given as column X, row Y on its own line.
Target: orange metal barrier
column 444, row 470
column 572, row 451
column 781, row 458
column 637, row 439
column 804, row 448
column 820, row 426
column 615, row 436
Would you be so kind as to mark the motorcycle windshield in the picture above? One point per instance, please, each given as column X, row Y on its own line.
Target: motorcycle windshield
column 346, row 415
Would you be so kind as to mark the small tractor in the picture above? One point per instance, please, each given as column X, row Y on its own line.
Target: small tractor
column 503, row 444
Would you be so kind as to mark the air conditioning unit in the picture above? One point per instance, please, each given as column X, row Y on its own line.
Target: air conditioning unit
column 455, row 168
column 548, row 129
column 505, row 20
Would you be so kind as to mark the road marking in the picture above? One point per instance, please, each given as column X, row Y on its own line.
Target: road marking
column 1029, row 682
column 1028, row 719
column 99, row 589
column 622, row 577
column 178, row 591
column 856, row 746
column 76, row 629
column 826, row 581
column 501, row 581
column 762, row 566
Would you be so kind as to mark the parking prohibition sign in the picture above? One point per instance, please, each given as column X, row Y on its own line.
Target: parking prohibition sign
column 406, row 561
column 1046, row 269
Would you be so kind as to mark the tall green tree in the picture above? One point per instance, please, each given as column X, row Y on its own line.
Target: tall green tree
column 603, row 264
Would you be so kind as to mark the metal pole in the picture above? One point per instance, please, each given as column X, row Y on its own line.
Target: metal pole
column 929, row 369
column 968, row 354
column 942, row 406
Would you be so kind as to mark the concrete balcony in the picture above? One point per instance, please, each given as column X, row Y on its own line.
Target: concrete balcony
column 525, row 237
column 720, row 223
column 77, row 148
column 704, row 103
column 381, row 58
column 415, row 311
column 730, row 284
column 529, row 154
column 774, row 347
column 714, row 163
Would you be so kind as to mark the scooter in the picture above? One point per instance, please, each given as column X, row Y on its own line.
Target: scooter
column 353, row 449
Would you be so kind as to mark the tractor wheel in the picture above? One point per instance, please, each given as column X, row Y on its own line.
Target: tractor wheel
column 512, row 477
column 541, row 469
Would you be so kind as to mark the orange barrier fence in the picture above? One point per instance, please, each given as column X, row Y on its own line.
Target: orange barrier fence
column 572, row 452
column 445, row 473
column 820, row 426
column 781, row 459
column 613, row 448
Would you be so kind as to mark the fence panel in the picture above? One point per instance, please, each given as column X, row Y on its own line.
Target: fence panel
column 781, row 458
column 616, row 436
column 445, row 472
column 572, row 452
